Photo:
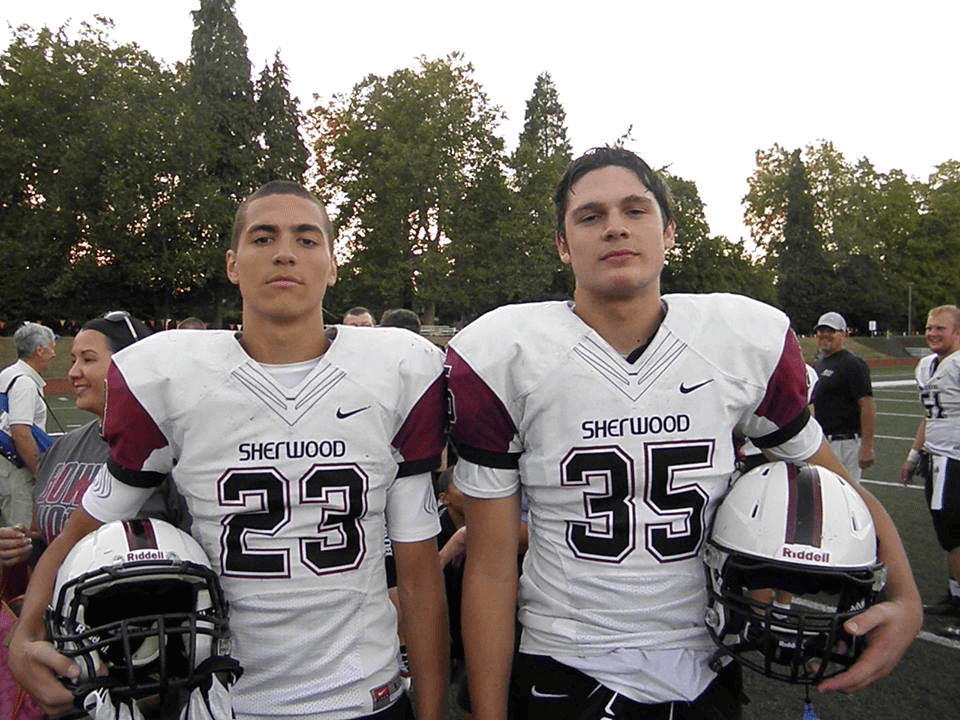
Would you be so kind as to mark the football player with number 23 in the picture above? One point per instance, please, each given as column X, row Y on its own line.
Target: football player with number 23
column 296, row 448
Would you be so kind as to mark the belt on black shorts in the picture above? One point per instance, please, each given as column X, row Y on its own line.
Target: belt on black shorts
column 843, row 436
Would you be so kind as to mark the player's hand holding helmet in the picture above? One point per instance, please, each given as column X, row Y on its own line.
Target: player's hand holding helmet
column 138, row 607
column 792, row 555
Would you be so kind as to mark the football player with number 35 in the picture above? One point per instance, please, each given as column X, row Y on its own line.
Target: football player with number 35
column 295, row 448
column 615, row 413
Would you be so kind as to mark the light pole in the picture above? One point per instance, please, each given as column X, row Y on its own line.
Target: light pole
column 909, row 309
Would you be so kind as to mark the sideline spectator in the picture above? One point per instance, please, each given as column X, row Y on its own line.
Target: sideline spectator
column 24, row 387
column 843, row 396
column 358, row 317
column 191, row 323
column 76, row 457
column 936, row 448
column 401, row 318
column 453, row 550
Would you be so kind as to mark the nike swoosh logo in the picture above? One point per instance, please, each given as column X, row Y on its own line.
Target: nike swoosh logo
column 684, row 389
column 537, row 694
column 343, row 415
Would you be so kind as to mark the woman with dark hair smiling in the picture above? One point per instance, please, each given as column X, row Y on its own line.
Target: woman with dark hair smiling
column 75, row 458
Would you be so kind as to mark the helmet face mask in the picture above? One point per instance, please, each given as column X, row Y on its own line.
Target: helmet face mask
column 138, row 607
column 791, row 557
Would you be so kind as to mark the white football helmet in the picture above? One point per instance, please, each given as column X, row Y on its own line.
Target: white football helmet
column 792, row 555
column 138, row 607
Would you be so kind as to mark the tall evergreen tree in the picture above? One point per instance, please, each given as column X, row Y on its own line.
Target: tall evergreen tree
column 284, row 153
column 222, row 156
column 222, row 108
column 804, row 278
column 543, row 153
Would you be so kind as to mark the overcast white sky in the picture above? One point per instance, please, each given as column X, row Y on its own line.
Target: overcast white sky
column 704, row 84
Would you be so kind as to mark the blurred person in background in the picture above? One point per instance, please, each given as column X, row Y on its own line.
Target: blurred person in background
column 358, row 316
column 23, row 384
column 191, row 323
column 401, row 318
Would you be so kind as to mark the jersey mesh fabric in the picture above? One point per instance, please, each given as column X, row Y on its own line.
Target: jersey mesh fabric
column 940, row 395
column 288, row 488
column 623, row 463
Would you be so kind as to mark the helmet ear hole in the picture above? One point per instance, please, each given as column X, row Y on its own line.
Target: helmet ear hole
column 148, row 651
column 138, row 606
column 791, row 556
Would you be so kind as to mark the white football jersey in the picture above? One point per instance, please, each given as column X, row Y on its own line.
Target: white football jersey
column 623, row 462
column 939, row 382
column 290, row 490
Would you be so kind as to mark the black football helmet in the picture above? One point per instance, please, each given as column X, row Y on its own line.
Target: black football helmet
column 792, row 555
column 138, row 607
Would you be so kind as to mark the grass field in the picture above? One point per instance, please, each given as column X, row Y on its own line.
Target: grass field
column 927, row 681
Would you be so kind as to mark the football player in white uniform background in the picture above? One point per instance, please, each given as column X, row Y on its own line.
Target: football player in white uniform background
column 295, row 449
column 615, row 414
column 938, row 376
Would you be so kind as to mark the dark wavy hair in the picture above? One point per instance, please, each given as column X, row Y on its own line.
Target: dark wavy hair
column 601, row 157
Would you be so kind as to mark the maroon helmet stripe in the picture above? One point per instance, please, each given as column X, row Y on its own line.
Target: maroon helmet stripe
column 804, row 507
column 140, row 534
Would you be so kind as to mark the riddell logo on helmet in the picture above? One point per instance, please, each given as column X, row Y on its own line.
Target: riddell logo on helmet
column 805, row 555
column 138, row 555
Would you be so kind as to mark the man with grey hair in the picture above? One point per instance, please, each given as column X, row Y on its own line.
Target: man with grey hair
column 23, row 384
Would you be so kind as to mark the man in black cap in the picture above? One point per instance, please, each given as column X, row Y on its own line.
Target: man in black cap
column 843, row 396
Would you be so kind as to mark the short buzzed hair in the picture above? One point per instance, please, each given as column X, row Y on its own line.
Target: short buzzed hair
column 358, row 310
column 278, row 187
column 363, row 314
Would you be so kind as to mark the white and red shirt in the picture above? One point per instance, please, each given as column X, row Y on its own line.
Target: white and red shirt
column 291, row 490
column 623, row 461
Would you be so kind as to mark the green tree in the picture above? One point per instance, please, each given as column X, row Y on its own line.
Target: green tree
column 933, row 250
column 84, row 149
column 489, row 264
column 700, row 262
column 803, row 274
column 866, row 220
column 222, row 112
column 284, row 153
column 220, row 152
column 543, row 153
column 399, row 157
